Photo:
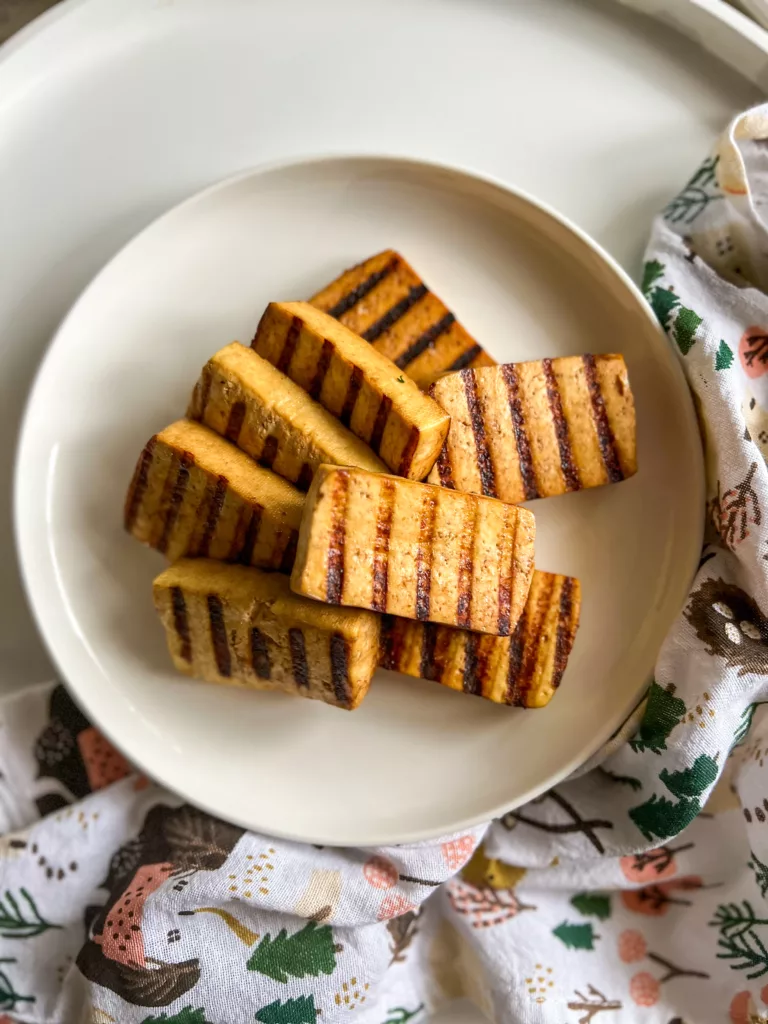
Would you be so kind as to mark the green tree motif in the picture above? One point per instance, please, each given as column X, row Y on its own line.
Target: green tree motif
column 400, row 1015
column 724, row 357
column 652, row 271
column 9, row 997
column 761, row 872
column 576, row 936
column 663, row 713
column 300, row 1010
column 13, row 922
column 663, row 303
column 745, row 723
column 660, row 818
column 592, row 904
column 309, row 951
column 185, row 1016
column 684, row 329
column 739, row 939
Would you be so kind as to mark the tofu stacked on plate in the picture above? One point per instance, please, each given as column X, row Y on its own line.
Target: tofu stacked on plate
column 344, row 495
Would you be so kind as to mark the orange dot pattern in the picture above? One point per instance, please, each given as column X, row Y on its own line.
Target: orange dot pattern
column 253, row 880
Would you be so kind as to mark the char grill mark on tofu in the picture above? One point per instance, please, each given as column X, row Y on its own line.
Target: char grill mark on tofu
column 604, row 432
column 197, row 495
column 384, row 515
column 567, row 464
column 537, row 429
column 260, row 660
column 355, row 383
column 423, row 342
column 335, row 572
column 232, row 624
column 340, row 667
column 216, row 497
column 524, row 669
column 357, row 294
column 181, row 623
column 139, row 483
column 424, row 555
column 235, row 423
column 484, row 460
column 451, row 557
column 522, row 443
column 177, row 496
column 388, row 303
column 219, row 635
column 393, row 314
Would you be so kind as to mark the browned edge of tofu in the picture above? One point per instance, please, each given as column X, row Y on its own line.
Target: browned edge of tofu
column 361, row 387
column 237, row 625
column 194, row 494
column 385, row 301
column 375, row 541
column 523, row 670
column 537, row 429
column 244, row 398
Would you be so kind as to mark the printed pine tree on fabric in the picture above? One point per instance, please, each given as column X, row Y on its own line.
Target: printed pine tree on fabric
column 592, row 904
column 293, row 1011
column 185, row 1016
column 724, row 357
column 660, row 818
column 309, row 951
column 684, row 329
column 652, row 271
column 663, row 713
column 576, row 936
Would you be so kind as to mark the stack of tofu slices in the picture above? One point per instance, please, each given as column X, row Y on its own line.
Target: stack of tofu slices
column 306, row 547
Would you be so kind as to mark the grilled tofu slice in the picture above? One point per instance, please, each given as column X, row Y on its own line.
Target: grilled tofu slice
column 245, row 399
column 195, row 494
column 524, row 669
column 537, row 429
column 361, row 387
column 393, row 545
column 235, row 624
column 385, row 301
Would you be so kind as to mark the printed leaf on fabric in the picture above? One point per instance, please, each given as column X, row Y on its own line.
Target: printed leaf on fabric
column 592, row 905
column 401, row 1015
column 740, row 939
column 18, row 923
column 309, row 951
column 576, row 936
column 663, row 713
column 300, row 1010
column 761, row 873
column 659, row 818
column 724, row 357
column 695, row 197
column 684, row 329
column 9, row 997
column 652, row 271
column 185, row 1016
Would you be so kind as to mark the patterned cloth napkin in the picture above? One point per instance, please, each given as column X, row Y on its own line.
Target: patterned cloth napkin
column 635, row 892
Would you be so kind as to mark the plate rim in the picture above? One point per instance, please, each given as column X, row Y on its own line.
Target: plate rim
column 36, row 589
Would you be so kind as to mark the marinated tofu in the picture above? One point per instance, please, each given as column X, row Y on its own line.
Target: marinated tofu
column 523, row 669
column 385, row 301
column 374, row 541
column 537, row 429
column 195, row 494
column 354, row 382
column 234, row 624
column 247, row 400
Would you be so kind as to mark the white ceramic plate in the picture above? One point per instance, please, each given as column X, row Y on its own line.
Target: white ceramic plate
column 112, row 111
column 415, row 760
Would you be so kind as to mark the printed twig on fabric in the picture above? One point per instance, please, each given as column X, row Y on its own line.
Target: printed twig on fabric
column 577, row 824
column 592, row 1003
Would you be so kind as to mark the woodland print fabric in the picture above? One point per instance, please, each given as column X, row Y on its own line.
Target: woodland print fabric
column 635, row 892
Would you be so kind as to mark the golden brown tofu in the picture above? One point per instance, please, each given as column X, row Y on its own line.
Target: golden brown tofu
column 537, row 429
column 195, row 494
column 235, row 624
column 523, row 669
column 385, row 301
column 355, row 383
column 247, row 400
column 397, row 546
